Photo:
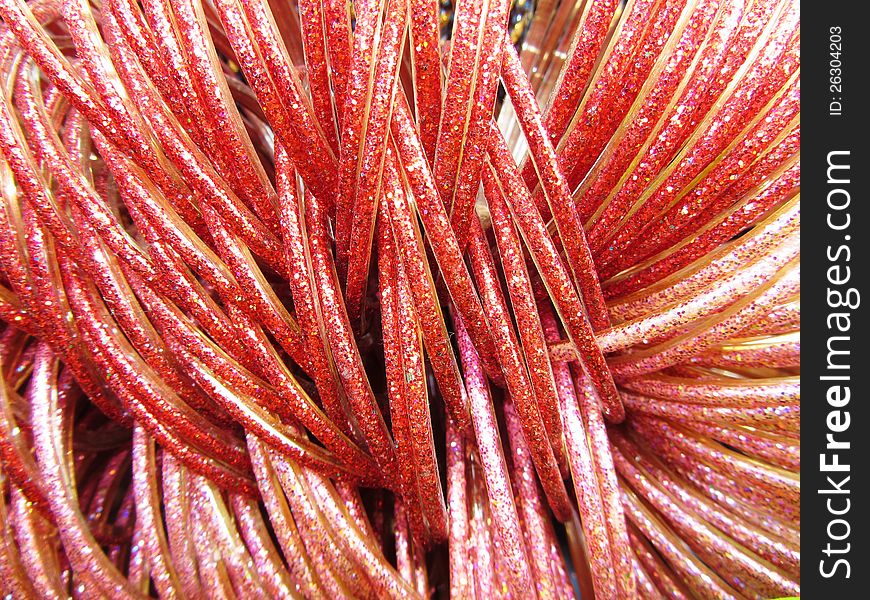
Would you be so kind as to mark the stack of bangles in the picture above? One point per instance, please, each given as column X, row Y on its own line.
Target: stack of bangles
column 399, row 299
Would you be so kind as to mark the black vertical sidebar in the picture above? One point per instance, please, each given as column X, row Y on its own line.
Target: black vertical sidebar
column 835, row 297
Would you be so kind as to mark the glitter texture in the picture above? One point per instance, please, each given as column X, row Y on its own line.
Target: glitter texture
column 400, row 299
